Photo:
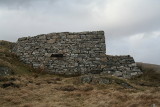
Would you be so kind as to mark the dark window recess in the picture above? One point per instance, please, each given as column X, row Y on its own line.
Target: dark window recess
column 57, row 55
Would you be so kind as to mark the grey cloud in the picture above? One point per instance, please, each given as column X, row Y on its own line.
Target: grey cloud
column 14, row 3
column 118, row 18
column 143, row 47
column 24, row 4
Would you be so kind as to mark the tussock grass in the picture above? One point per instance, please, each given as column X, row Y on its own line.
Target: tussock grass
column 44, row 90
column 68, row 94
column 10, row 60
column 150, row 77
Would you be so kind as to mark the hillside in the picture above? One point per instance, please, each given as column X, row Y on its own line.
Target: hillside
column 23, row 86
column 146, row 66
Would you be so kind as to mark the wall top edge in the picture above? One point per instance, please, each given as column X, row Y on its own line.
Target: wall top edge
column 66, row 33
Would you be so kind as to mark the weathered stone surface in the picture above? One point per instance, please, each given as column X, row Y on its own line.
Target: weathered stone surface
column 86, row 79
column 5, row 71
column 134, row 73
column 74, row 54
column 51, row 41
column 101, row 80
column 118, row 74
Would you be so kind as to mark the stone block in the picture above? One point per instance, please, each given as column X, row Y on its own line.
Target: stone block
column 118, row 74
column 134, row 73
column 73, row 36
column 36, row 65
column 51, row 41
column 43, row 37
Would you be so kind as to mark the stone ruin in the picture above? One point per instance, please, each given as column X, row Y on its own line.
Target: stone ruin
column 73, row 54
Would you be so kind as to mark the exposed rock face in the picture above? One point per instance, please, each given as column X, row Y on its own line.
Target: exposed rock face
column 5, row 71
column 101, row 79
column 73, row 54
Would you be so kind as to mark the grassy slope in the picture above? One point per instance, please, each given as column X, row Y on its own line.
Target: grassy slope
column 151, row 75
column 146, row 66
column 10, row 60
column 30, row 89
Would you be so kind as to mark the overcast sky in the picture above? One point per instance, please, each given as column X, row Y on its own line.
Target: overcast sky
column 131, row 26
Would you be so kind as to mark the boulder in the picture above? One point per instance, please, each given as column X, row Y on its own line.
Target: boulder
column 5, row 71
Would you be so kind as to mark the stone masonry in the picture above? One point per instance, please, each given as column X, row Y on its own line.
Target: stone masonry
column 73, row 54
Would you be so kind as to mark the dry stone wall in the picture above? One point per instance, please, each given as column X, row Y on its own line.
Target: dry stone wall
column 73, row 54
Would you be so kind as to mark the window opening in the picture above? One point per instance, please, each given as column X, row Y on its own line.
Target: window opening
column 57, row 55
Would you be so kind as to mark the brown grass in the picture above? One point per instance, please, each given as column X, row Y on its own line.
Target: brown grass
column 150, row 77
column 146, row 66
column 43, row 90
column 67, row 94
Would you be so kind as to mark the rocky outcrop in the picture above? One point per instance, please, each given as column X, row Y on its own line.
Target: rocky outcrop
column 4, row 71
column 73, row 54
column 103, row 80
